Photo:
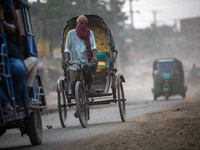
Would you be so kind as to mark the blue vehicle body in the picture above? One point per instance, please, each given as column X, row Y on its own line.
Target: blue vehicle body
column 29, row 118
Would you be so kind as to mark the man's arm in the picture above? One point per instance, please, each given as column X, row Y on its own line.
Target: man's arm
column 94, row 54
column 67, row 48
column 9, row 28
column 66, row 58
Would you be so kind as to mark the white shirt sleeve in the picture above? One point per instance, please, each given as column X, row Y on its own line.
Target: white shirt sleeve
column 92, row 41
column 68, row 43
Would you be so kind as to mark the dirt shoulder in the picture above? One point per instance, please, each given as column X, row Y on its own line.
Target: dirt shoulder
column 176, row 128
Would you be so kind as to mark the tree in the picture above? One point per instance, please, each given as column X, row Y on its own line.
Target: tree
column 55, row 14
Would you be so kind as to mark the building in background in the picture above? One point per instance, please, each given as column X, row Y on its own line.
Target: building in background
column 190, row 26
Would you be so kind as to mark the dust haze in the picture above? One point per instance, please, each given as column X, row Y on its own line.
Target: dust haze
column 139, row 79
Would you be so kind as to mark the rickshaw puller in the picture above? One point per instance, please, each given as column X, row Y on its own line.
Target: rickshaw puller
column 80, row 43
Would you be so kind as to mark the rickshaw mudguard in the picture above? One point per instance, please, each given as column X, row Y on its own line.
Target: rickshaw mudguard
column 116, row 80
column 59, row 86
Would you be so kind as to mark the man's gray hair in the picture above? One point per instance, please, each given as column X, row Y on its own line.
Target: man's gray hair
column 79, row 17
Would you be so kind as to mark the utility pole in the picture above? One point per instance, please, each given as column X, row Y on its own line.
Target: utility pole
column 176, row 37
column 131, row 14
column 132, row 18
column 132, row 22
column 156, row 43
column 155, row 19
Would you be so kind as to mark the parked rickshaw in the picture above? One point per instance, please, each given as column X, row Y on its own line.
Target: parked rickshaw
column 106, row 76
column 28, row 121
column 168, row 77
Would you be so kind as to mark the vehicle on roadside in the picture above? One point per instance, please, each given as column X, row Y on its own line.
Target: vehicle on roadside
column 28, row 121
column 168, row 78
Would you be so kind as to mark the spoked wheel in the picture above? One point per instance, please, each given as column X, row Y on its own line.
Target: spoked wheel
column 121, row 101
column 33, row 125
column 81, row 104
column 62, row 108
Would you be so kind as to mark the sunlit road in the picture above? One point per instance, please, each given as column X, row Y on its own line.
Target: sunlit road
column 104, row 118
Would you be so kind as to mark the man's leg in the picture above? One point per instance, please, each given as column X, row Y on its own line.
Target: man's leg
column 4, row 99
column 5, row 103
column 73, row 79
column 89, row 79
column 18, row 73
column 31, row 65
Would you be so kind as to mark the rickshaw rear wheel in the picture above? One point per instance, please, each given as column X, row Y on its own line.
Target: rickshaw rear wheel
column 34, row 127
column 81, row 104
column 62, row 108
column 121, row 101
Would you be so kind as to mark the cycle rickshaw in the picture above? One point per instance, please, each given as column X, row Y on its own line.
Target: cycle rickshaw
column 106, row 76
column 28, row 121
column 168, row 77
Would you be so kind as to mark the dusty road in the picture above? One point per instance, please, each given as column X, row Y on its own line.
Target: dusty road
column 161, row 124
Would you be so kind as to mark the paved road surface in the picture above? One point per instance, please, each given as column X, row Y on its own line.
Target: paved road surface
column 103, row 119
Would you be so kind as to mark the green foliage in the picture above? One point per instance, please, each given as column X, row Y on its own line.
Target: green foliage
column 55, row 13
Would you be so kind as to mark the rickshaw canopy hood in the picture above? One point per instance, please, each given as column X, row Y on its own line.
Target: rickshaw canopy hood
column 91, row 18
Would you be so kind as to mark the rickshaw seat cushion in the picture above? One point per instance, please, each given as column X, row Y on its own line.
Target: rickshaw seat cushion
column 102, row 56
column 101, row 65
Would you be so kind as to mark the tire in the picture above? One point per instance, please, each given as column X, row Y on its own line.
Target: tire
column 34, row 127
column 62, row 108
column 81, row 104
column 121, row 101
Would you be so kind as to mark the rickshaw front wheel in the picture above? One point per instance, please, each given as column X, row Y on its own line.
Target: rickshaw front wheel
column 34, row 127
column 81, row 104
column 62, row 108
